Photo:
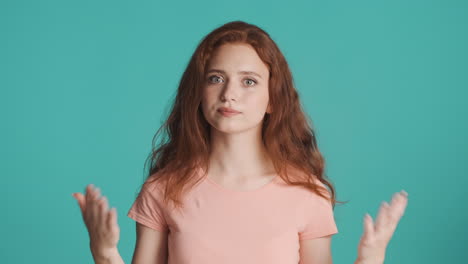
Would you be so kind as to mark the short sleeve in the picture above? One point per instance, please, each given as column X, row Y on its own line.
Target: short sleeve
column 148, row 209
column 317, row 217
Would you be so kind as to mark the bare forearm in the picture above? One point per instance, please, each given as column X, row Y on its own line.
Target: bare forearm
column 110, row 257
column 360, row 261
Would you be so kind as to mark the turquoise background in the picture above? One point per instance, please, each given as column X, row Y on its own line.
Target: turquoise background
column 86, row 84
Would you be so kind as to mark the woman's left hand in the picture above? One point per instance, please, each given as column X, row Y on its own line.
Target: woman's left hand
column 374, row 241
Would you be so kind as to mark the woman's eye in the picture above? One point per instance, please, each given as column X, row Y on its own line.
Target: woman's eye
column 252, row 82
column 211, row 78
column 217, row 79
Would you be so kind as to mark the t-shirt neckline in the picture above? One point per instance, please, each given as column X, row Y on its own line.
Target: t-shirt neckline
column 224, row 189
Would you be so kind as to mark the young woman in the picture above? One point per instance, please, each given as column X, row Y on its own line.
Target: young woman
column 241, row 179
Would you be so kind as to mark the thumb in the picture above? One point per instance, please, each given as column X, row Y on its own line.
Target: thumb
column 81, row 201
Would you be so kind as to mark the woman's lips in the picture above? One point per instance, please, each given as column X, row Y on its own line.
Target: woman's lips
column 227, row 109
column 228, row 113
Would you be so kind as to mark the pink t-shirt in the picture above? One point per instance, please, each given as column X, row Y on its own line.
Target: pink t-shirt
column 220, row 225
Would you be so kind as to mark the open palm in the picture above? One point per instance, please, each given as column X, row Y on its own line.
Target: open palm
column 101, row 222
column 374, row 241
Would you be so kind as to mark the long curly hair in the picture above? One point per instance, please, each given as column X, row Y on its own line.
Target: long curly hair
column 286, row 132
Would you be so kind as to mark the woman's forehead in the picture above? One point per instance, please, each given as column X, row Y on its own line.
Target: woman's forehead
column 237, row 59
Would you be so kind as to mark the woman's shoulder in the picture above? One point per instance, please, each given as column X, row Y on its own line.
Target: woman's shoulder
column 154, row 183
column 301, row 191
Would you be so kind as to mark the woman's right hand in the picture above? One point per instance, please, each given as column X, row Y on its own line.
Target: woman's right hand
column 101, row 222
column 376, row 237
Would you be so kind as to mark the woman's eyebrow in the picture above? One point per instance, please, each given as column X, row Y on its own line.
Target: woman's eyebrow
column 239, row 72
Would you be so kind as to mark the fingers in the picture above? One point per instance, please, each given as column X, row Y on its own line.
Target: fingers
column 81, row 200
column 398, row 205
column 90, row 193
column 95, row 206
column 382, row 216
column 112, row 219
column 96, row 195
column 103, row 214
column 368, row 227
column 390, row 214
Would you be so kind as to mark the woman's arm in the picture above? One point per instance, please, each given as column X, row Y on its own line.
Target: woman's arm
column 102, row 226
column 151, row 246
column 373, row 243
column 316, row 250
column 110, row 257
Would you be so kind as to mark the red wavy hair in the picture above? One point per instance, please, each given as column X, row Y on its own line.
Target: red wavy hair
column 286, row 132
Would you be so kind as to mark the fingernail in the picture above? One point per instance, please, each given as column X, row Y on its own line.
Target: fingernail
column 404, row 193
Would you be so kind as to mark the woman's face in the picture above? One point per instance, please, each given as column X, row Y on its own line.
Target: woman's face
column 236, row 78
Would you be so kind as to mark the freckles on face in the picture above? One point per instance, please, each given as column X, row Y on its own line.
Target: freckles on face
column 236, row 77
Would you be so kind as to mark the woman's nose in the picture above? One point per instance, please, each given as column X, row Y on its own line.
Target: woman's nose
column 229, row 91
